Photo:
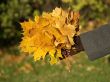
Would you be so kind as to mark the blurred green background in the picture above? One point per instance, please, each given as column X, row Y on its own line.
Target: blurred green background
column 17, row 67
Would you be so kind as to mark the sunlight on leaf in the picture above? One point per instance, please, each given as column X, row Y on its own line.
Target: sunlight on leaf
column 49, row 33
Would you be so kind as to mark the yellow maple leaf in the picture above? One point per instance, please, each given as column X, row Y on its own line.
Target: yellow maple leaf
column 49, row 33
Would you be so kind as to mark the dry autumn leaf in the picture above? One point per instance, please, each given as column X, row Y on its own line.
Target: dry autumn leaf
column 49, row 33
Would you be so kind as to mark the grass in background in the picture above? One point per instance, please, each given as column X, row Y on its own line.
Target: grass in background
column 24, row 69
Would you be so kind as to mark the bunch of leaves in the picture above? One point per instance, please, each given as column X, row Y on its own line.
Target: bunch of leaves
column 49, row 33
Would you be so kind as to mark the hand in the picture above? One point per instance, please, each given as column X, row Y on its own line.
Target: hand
column 76, row 48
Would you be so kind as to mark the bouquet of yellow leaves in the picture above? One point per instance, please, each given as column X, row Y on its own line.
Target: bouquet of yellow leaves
column 49, row 33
